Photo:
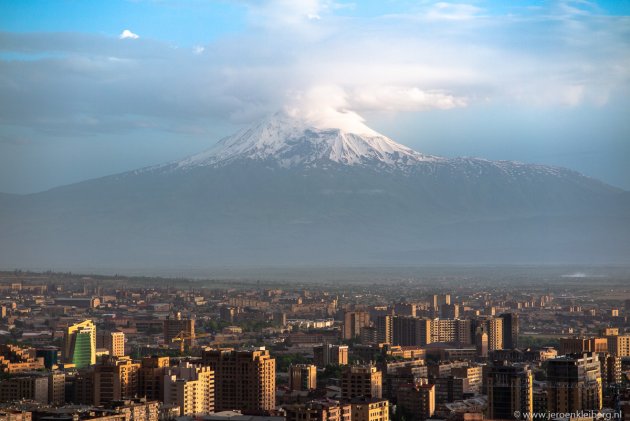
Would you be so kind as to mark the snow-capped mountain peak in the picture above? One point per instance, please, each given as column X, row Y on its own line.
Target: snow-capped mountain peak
column 289, row 140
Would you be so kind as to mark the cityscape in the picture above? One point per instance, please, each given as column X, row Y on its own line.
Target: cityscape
column 314, row 210
column 79, row 347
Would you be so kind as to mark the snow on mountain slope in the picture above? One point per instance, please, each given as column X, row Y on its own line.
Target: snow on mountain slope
column 287, row 140
column 293, row 191
column 291, row 141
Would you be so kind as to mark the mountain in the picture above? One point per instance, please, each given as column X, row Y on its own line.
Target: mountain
column 294, row 191
column 291, row 142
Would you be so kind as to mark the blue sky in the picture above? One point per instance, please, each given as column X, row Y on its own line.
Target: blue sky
column 535, row 81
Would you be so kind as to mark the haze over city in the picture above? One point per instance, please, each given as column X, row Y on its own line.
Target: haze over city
column 314, row 210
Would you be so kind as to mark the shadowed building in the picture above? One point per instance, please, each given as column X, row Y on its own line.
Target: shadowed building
column 361, row 381
column 510, row 330
column 574, row 383
column 353, row 321
column 151, row 377
column 510, row 389
column 409, row 330
column 176, row 325
column 303, row 377
column 329, row 354
column 244, row 379
column 416, row 402
column 115, row 378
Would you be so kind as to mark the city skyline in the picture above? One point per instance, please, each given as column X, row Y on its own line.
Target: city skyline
column 467, row 348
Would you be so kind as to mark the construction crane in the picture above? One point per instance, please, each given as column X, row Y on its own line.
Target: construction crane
column 182, row 337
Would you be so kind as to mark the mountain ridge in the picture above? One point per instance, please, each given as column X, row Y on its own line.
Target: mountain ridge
column 230, row 149
column 254, row 210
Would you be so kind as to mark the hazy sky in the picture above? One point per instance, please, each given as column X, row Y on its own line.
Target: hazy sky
column 90, row 88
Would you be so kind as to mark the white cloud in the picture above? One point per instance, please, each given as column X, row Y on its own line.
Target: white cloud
column 402, row 98
column 346, row 66
column 127, row 34
column 452, row 11
column 288, row 13
column 327, row 106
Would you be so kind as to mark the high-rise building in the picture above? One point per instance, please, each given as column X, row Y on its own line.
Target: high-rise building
column 495, row 333
column 610, row 368
column 191, row 387
column 416, row 402
column 619, row 345
column 385, row 329
column 151, row 377
column 29, row 387
column 510, row 390
column 540, row 400
column 324, row 410
column 574, row 383
column 370, row 409
column 115, row 378
column 411, row 331
column 456, row 331
column 369, row 335
column 450, row 388
column 574, row 346
column 81, row 387
column 353, row 321
column 113, row 342
column 474, row 374
column 79, row 344
column 510, row 330
column 57, row 387
column 175, row 325
column 581, row 345
column 361, row 381
column 302, row 377
column 244, row 379
column 329, row 354
column 481, row 342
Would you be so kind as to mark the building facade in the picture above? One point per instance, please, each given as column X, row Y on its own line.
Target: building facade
column 324, row 410
column 574, row 383
column 510, row 390
column 361, row 381
column 191, row 387
column 329, row 354
column 79, row 344
column 303, row 377
column 244, row 379
column 353, row 321
column 416, row 402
